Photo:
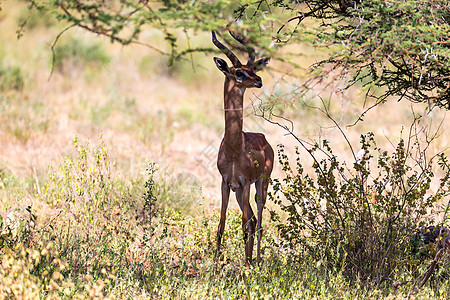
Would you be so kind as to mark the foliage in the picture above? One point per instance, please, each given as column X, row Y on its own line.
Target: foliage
column 360, row 219
column 83, row 184
column 393, row 48
column 35, row 20
column 11, row 78
column 92, row 215
column 150, row 208
column 402, row 47
column 74, row 53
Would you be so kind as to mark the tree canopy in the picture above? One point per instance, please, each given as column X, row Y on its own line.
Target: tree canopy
column 395, row 48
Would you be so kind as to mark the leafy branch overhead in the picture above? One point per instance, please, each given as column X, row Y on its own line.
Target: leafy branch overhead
column 392, row 48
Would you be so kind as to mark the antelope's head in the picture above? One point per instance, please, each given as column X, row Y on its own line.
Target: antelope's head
column 243, row 75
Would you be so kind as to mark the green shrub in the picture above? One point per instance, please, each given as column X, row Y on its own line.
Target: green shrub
column 92, row 229
column 74, row 54
column 32, row 20
column 11, row 78
column 359, row 219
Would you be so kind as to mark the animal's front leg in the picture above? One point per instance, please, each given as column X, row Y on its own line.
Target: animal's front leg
column 223, row 215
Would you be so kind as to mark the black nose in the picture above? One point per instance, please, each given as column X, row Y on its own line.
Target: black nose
column 258, row 84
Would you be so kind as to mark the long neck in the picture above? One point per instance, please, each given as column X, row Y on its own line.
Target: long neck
column 233, row 105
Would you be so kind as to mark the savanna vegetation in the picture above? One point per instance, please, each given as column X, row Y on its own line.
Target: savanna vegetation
column 111, row 118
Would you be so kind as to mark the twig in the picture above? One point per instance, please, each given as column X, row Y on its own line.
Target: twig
column 53, row 48
column 51, row 221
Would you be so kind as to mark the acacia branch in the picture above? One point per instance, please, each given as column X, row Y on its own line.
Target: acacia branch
column 53, row 48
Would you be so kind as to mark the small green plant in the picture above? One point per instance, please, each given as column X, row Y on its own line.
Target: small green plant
column 150, row 200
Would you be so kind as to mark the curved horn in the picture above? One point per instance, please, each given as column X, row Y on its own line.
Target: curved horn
column 233, row 58
column 243, row 41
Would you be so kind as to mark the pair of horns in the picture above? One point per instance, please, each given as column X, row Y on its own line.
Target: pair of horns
column 233, row 58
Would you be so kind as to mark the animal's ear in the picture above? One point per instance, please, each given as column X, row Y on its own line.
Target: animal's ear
column 222, row 65
column 260, row 64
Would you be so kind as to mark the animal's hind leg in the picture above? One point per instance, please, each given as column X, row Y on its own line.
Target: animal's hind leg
column 239, row 200
column 260, row 201
column 248, row 223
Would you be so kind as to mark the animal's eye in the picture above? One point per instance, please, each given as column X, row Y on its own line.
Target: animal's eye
column 240, row 73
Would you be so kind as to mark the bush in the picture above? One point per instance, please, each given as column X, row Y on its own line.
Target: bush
column 92, row 226
column 11, row 78
column 73, row 54
column 359, row 219
column 34, row 19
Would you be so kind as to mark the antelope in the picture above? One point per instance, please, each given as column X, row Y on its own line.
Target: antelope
column 244, row 158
